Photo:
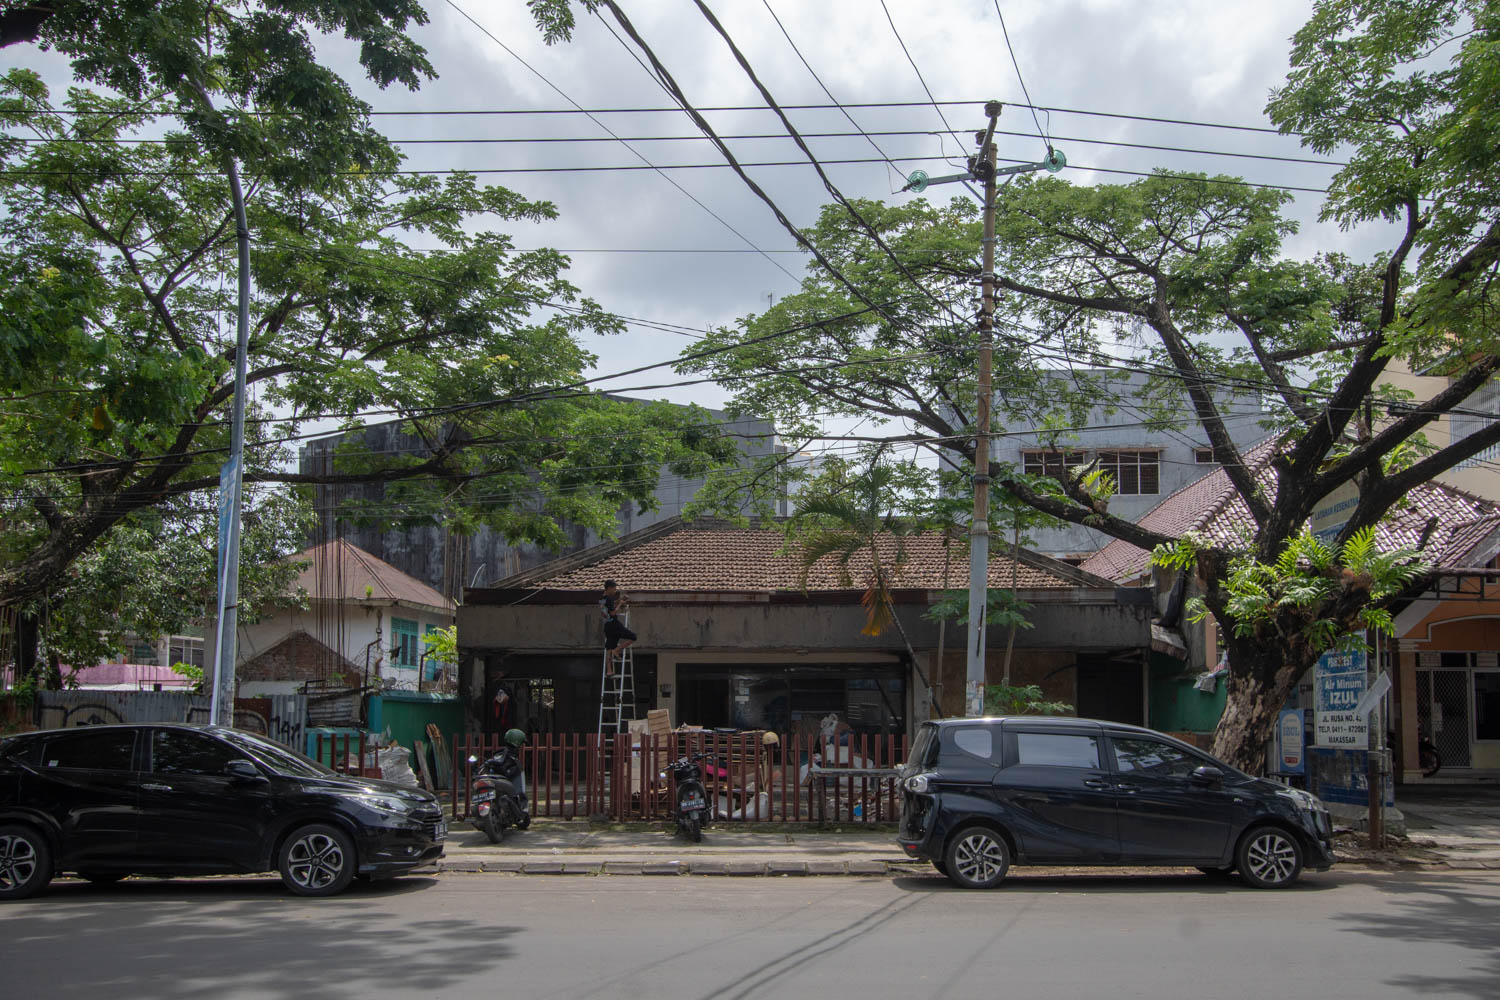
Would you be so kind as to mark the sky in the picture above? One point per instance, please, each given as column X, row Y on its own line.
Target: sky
column 625, row 231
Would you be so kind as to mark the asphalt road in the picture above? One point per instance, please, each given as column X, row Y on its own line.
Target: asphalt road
column 1339, row 934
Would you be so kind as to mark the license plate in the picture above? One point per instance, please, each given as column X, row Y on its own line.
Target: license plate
column 484, row 796
column 693, row 802
column 442, row 831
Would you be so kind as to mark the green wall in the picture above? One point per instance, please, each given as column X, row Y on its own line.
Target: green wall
column 1177, row 706
column 407, row 713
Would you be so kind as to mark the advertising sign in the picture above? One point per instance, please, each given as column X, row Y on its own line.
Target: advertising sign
column 1290, row 755
column 1338, row 684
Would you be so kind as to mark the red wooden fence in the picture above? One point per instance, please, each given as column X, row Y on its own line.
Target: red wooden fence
column 619, row 777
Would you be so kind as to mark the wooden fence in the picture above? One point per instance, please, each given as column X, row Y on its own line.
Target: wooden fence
column 748, row 779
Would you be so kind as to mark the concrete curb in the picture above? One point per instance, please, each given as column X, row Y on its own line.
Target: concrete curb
column 706, row 867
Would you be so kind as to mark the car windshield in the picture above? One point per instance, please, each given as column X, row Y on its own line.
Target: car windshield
column 276, row 756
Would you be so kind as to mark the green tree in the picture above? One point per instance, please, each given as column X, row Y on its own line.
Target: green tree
column 1188, row 271
column 117, row 273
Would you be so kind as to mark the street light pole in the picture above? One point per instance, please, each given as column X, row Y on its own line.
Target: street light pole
column 982, row 168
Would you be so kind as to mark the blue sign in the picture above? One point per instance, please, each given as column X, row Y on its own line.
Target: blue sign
column 1339, row 681
column 1343, row 776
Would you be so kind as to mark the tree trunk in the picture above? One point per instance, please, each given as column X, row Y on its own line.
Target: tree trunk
column 1263, row 671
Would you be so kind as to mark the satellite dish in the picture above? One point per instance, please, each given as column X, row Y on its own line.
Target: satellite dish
column 916, row 181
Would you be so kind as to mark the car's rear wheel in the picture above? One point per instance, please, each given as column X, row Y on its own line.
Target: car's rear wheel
column 317, row 860
column 1269, row 858
column 977, row 858
column 25, row 861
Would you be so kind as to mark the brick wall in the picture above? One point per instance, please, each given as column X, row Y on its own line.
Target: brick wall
column 298, row 657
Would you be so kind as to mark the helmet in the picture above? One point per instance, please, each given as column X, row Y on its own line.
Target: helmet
column 515, row 737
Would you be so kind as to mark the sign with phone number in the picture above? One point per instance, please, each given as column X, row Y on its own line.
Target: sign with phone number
column 1338, row 684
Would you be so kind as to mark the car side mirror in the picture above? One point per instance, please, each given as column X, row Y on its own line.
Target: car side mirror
column 1207, row 775
column 243, row 770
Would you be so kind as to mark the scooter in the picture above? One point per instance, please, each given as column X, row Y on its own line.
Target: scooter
column 1428, row 757
column 692, row 813
column 499, row 792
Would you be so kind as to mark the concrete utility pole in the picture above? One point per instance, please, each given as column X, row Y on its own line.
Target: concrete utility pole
column 982, row 168
column 979, row 528
column 231, row 484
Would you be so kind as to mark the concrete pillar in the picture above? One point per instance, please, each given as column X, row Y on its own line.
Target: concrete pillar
column 1406, row 730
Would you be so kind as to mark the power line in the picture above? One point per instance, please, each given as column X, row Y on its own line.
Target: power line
column 1021, row 79
column 926, row 89
column 593, row 118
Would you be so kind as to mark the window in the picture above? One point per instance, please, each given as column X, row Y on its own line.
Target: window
column 1057, row 750
column 174, row 752
column 1203, row 456
column 404, row 645
column 976, row 741
column 186, row 649
column 1049, row 463
column 106, row 748
column 1153, row 758
column 1136, row 473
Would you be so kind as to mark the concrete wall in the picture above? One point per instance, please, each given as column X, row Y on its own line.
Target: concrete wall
column 262, row 645
column 1480, row 476
column 1117, row 423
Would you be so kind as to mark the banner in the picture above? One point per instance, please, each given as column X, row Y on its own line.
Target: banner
column 1339, row 682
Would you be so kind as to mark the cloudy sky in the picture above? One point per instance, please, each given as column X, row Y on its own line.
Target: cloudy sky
column 641, row 245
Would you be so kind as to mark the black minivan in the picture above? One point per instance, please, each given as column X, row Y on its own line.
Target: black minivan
column 979, row 795
column 105, row 802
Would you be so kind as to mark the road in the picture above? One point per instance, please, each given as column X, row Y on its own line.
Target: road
column 1348, row 933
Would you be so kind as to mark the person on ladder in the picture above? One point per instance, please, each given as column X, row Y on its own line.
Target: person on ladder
column 617, row 637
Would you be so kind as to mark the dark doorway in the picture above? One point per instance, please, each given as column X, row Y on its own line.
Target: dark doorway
column 1109, row 687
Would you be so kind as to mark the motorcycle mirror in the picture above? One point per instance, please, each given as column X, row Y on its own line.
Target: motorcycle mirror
column 473, row 759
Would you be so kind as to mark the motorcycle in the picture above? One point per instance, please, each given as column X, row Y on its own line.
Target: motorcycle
column 1428, row 757
column 498, row 796
column 691, row 806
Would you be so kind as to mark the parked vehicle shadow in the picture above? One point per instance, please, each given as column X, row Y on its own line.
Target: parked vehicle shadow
column 1105, row 880
column 1440, row 908
column 242, row 937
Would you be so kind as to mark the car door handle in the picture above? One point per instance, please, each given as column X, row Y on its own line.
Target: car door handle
column 1095, row 783
column 1128, row 789
column 157, row 788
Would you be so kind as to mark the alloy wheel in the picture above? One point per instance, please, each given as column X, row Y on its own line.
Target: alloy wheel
column 1271, row 857
column 315, row 861
column 980, row 858
column 18, row 861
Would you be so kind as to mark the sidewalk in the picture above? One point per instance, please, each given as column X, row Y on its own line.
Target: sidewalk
column 558, row 847
column 1459, row 824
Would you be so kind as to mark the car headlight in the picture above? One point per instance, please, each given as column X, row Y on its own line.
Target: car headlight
column 1303, row 800
column 917, row 783
column 388, row 804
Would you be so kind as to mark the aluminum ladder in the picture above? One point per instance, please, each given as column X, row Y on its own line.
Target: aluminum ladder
column 617, row 692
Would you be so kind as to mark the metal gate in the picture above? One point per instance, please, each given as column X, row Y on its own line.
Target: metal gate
column 1443, row 713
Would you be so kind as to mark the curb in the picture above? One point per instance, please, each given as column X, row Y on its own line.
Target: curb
column 740, row 869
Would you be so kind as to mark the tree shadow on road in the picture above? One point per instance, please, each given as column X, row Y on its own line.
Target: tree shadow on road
column 1439, row 908
column 195, row 938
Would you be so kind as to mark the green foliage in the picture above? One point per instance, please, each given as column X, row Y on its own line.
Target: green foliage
column 1327, row 595
column 1005, row 699
column 1002, row 608
column 192, row 673
column 442, row 644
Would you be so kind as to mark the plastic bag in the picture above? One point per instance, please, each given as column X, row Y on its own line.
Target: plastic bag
column 395, row 765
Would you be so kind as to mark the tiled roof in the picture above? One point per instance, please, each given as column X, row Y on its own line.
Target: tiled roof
column 717, row 558
column 1212, row 507
column 338, row 571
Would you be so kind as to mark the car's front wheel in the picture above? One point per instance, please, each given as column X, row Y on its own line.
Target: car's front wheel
column 1269, row 858
column 25, row 861
column 977, row 858
column 317, row 860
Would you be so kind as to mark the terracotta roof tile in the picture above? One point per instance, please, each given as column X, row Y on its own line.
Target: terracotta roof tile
column 759, row 560
column 1212, row 507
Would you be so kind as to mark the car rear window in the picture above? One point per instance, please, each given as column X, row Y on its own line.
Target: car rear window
column 1057, row 750
column 924, row 750
column 106, row 748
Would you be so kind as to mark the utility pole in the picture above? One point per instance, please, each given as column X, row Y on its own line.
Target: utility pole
column 982, row 167
column 231, row 483
column 979, row 528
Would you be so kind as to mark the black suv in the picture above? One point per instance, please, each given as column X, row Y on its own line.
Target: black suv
column 981, row 794
column 161, row 799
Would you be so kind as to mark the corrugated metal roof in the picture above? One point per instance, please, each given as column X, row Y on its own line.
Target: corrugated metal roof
column 339, row 571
